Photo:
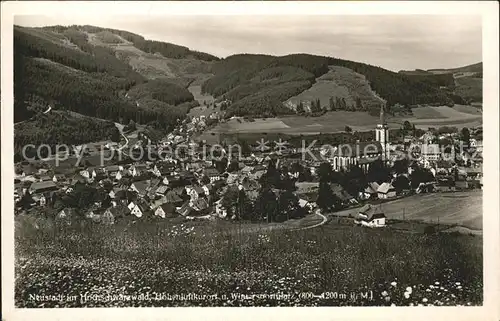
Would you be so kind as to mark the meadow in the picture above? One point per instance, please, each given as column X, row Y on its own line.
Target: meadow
column 424, row 117
column 458, row 208
column 147, row 264
column 339, row 82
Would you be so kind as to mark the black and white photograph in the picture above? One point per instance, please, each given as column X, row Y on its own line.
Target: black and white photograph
column 248, row 160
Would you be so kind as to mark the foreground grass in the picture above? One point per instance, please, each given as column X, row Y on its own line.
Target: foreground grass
column 144, row 263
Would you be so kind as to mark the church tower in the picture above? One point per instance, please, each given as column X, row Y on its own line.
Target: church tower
column 382, row 133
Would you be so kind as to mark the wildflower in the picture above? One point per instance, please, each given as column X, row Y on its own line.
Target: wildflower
column 384, row 293
column 393, row 283
column 387, row 298
column 457, row 283
column 409, row 289
column 436, row 283
column 424, row 300
column 407, row 295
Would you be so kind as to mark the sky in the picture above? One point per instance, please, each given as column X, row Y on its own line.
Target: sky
column 394, row 42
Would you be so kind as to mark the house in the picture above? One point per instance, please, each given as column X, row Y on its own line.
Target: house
column 187, row 177
column 65, row 215
column 77, row 179
column 370, row 216
column 138, row 210
column 247, row 170
column 165, row 210
column 108, row 216
column 157, row 202
column 258, row 174
column 164, row 169
column 138, row 169
column 42, row 200
column 306, row 204
column 44, row 178
column 220, row 210
column 232, row 178
column 94, row 214
column 161, row 190
column 430, row 152
column 113, row 193
column 342, row 194
column 42, row 187
column 213, row 174
column 195, row 192
column 185, row 209
column 249, row 184
column 88, row 173
column 207, row 189
column 172, row 180
column 59, row 178
column 386, row 190
column 112, row 170
column 371, row 191
column 199, row 204
column 445, row 184
column 131, row 206
column 174, row 197
column 461, row 185
column 140, row 187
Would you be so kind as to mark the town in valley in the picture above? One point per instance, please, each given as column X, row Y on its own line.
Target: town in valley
column 157, row 175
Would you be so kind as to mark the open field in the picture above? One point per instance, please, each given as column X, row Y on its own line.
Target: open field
column 201, row 98
column 460, row 208
column 201, row 258
column 361, row 121
column 426, row 112
column 338, row 82
column 181, row 71
column 469, row 109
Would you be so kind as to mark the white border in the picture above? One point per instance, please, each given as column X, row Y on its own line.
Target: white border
column 489, row 13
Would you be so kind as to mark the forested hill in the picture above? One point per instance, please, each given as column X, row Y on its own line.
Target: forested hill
column 121, row 76
column 78, row 69
column 468, row 80
column 73, row 68
column 166, row 49
column 258, row 84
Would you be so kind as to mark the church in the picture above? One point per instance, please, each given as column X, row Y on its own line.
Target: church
column 363, row 153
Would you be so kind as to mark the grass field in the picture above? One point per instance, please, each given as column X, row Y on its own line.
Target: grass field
column 461, row 208
column 339, row 82
column 201, row 98
column 426, row 112
column 468, row 110
column 424, row 117
column 204, row 259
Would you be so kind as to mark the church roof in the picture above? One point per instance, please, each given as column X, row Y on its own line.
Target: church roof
column 357, row 149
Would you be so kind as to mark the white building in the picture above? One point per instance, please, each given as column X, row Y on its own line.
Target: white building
column 382, row 134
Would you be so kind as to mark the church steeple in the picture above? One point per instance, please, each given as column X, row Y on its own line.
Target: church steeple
column 382, row 115
column 382, row 132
